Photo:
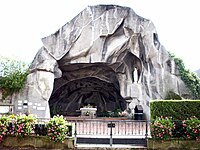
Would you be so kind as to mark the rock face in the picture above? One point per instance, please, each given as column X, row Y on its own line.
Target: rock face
column 107, row 56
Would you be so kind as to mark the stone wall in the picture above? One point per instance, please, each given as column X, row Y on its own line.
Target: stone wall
column 174, row 145
column 35, row 142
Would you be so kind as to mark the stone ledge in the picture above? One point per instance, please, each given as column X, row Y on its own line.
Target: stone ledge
column 174, row 144
column 36, row 142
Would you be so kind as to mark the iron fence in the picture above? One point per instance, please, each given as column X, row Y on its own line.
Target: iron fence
column 118, row 127
column 111, row 132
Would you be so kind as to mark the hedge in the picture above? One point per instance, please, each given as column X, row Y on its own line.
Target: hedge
column 177, row 109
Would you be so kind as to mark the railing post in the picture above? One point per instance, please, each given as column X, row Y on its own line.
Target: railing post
column 111, row 140
column 75, row 133
column 146, row 134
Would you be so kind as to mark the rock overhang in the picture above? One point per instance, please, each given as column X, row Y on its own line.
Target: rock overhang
column 113, row 39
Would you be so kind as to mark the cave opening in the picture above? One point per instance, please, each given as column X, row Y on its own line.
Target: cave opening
column 86, row 84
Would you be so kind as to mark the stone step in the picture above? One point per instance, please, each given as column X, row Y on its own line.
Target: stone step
column 108, row 147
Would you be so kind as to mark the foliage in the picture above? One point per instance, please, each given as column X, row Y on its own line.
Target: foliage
column 23, row 125
column 19, row 126
column 191, row 128
column 164, row 129
column 114, row 113
column 13, row 75
column 177, row 109
column 172, row 95
column 161, row 128
column 57, row 129
column 3, row 127
column 191, row 79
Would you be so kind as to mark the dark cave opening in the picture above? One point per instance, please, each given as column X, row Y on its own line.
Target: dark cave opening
column 73, row 92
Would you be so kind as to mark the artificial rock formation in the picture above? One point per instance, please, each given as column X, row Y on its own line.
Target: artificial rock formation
column 107, row 56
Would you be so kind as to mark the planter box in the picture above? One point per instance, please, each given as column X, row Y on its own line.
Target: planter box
column 36, row 142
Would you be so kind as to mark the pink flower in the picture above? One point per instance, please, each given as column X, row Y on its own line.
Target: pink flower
column 188, row 136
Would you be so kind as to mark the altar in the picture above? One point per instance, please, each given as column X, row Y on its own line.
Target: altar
column 88, row 112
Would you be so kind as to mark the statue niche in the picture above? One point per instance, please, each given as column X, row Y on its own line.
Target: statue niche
column 134, row 67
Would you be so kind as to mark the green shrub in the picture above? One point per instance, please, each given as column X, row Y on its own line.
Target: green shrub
column 173, row 96
column 177, row 109
column 19, row 126
column 23, row 125
column 3, row 127
column 191, row 128
column 165, row 129
column 57, row 129
column 13, row 75
column 161, row 128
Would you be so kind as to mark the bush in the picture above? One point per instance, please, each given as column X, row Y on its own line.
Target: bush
column 57, row 129
column 161, row 128
column 177, row 109
column 191, row 128
column 13, row 75
column 164, row 129
column 23, row 125
column 19, row 126
column 178, row 130
column 171, row 95
column 3, row 127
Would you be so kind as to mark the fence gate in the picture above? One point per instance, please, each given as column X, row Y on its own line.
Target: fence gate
column 111, row 133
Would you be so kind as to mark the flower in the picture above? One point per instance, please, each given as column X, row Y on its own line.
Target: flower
column 12, row 116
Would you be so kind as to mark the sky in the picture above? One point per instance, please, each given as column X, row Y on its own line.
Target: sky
column 24, row 22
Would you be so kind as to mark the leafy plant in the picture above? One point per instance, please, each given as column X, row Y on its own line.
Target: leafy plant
column 57, row 129
column 190, row 78
column 177, row 109
column 3, row 127
column 191, row 128
column 13, row 75
column 172, row 95
column 23, row 125
column 161, row 128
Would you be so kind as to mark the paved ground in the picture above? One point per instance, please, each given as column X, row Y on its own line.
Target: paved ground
column 24, row 148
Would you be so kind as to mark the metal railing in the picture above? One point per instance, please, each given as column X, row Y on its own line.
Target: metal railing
column 119, row 127
column 111, row 129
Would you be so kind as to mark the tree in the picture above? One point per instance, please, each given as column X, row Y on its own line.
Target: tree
column 13, row 74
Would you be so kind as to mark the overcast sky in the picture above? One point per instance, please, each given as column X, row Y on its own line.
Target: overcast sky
column 24, row 22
